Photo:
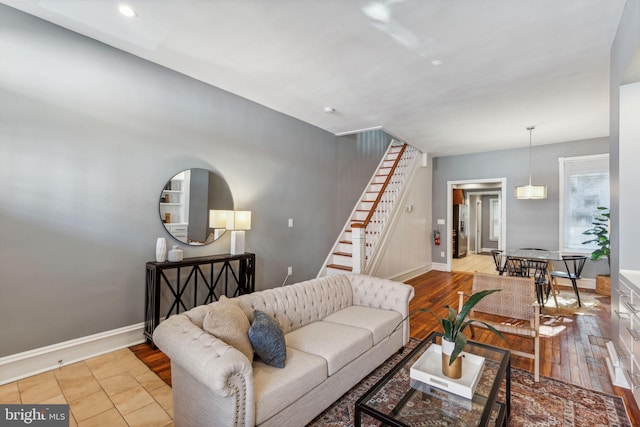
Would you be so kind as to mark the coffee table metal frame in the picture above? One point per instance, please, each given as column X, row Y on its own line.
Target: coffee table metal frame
column 490, row 404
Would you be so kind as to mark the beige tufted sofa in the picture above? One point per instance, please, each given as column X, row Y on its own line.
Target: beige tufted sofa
column 337, row 329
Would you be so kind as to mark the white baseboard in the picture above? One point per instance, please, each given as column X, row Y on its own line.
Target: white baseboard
column 582, row 283
column 488, row 250
column 28, row 363
column 586, row 283
column 439, row 266
column 410, row 274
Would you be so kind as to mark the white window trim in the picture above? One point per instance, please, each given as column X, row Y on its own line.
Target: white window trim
column 561, row 162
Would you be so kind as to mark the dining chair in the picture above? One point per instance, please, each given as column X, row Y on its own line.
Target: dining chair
column 516, row 300
column 524, row 267
column 574, row 265
column 500, row 260
column 517, row 267
column 538, row 270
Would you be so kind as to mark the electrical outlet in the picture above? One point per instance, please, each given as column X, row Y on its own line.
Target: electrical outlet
column 290, row 271
column 290, row 222
column 442, row 254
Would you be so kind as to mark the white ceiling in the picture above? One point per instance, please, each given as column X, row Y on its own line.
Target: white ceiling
column 505, row 64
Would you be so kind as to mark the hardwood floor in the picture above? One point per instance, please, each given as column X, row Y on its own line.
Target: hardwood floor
column 156, row 360
column 575, row 355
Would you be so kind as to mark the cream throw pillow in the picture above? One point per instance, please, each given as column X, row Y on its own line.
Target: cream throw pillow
column 227, row 321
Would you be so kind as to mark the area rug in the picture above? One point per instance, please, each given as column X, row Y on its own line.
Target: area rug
column 549, row 325
column 568, row 304
column 546, row 403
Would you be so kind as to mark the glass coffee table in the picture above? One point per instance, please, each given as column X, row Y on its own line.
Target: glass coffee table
column 398, row 400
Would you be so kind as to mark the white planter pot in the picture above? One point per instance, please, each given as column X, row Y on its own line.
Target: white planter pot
column 448, row 347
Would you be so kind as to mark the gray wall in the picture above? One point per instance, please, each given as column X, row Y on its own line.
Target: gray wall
column 486, row 223
column 358, row 157
column 530, row 223
column 89, row 135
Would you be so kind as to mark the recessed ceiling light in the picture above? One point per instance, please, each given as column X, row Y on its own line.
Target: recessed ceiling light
column 329, row 110
column 127, row 11
column 436, row 62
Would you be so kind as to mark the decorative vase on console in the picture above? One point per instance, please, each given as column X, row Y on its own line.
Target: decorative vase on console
column 176, row 254
column 161, row 249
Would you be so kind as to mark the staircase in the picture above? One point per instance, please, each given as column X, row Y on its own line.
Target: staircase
column 367, row 222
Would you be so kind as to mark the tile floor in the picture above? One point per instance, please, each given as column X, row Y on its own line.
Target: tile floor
column 115, row 389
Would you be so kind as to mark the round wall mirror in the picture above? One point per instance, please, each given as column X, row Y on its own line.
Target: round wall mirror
column 186, row 202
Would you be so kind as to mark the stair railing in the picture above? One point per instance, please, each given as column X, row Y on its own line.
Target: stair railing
column 366, row 234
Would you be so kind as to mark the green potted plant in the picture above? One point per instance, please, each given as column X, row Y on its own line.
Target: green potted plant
column 453, row 337
column 600, row 234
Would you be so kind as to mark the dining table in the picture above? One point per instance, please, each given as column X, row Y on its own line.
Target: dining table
column 539, row 255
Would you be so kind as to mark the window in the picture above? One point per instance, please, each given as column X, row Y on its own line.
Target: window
column 584, row 185
column 494, row 222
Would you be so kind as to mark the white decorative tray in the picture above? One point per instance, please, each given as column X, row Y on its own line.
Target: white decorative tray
column 428, row 369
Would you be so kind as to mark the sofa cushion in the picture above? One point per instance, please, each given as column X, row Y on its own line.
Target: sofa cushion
column 275, row 389
column 267, row 339
column 337, row 344
column 381, row 323
column 302, row 303
column 227, row 321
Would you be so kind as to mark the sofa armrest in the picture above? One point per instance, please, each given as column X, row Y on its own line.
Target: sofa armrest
column 384, row 294
column 209, row 360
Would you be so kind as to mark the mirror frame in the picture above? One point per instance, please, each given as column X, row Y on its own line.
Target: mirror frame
column 185, row 202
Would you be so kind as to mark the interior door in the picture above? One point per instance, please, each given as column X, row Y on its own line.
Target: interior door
column 478, row 226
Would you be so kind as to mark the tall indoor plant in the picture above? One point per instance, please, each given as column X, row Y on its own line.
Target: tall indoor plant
column 600, row 236
column 600, row 231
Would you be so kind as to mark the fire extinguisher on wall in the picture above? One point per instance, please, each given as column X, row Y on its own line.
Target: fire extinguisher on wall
column 436, row 237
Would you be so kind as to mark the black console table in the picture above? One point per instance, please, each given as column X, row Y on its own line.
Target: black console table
column 229, row 275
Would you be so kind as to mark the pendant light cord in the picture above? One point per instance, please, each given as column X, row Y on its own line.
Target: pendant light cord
column 530, row 129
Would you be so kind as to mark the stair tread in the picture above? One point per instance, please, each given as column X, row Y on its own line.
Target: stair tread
column 340, row 267
column 346, row 242
column 342, row 253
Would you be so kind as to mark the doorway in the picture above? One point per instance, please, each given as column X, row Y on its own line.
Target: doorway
column 485, row 200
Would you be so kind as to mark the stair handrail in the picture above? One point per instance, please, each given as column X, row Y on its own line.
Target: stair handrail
column 382, row 190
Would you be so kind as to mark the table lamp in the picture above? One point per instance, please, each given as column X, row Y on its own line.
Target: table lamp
column 238, row 222
column 218, row 221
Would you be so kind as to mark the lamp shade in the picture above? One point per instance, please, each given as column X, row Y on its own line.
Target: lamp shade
column 239, row 220
column 218, row 218
column 531, row 192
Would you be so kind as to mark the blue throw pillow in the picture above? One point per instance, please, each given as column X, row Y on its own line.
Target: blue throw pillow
column 267, row 339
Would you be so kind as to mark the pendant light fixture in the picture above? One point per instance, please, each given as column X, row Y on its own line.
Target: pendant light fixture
column 531, row 191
